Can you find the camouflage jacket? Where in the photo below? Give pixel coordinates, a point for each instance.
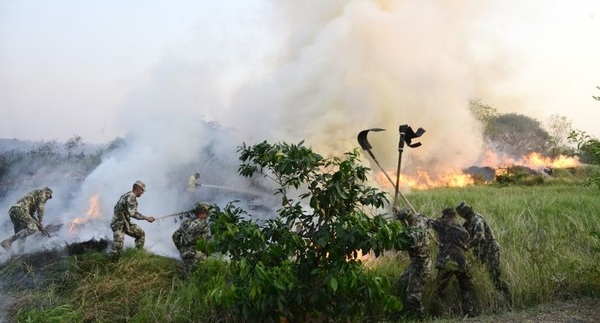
(34, 202)
(419, 241)
(453, 244)
(125, 209)
(482, 238)
(190, 231)
(191, 184)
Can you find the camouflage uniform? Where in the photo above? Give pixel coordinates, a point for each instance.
(415, 275)
(484, 244)
(451, 259)
(125, 209)
(186, 237)
(23, 219)
(191, 184)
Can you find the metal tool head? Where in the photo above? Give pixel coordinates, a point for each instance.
(362, 138)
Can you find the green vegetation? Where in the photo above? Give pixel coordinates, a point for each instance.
(549, 236)
(517, 135)
(302, 265)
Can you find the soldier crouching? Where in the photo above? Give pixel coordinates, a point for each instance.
(191, 230)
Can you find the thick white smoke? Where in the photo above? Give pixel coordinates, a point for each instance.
(319, 71)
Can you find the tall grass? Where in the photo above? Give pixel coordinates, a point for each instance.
(549, 253)
(548, 249)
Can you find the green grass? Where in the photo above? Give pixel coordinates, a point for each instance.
(549, 253)
(548, 249)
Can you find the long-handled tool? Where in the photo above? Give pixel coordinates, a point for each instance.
(364, 144)
(174, 214)
(406, 136)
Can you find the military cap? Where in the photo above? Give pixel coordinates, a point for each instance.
(201, 207)
(140, 184)
(48, 191)
(403, 214)
(448, 212)
(464, 208)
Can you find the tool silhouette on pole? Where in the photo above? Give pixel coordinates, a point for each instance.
(406, 136)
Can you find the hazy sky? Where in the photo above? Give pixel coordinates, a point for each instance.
(292, 71)
(152, 71)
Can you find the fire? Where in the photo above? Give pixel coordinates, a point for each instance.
(457, 178)
(423, 180)
(536, 160)
(93, 212)
(533, 160)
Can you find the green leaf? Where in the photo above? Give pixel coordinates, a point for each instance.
(333, 283)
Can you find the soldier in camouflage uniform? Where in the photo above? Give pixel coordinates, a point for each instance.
(22, 215)
(191, 230)
(451, 260)
(415, 275)
(125, 209)
(484, 244)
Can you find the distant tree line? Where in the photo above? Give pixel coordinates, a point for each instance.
(70, 160)
(518, 135)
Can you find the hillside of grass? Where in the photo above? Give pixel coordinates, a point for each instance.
(550, 250)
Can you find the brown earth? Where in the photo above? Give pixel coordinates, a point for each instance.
(578, 310)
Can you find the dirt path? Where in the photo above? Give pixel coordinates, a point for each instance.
(580, 310)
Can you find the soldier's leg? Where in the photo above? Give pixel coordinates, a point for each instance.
(136, 232)
(7, 243)
(24, 226)
(465, 283)
(414, 293)
(30, 228)
(403, 282)
(188, 255)
(495, 272)
(118, 238)
(441, 282)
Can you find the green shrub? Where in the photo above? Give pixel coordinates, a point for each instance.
(302, 264)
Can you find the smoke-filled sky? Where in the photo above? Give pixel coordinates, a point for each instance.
(153, 71)
(304, 69)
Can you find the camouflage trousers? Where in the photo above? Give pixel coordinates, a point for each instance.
(492, 260)
(130, 229)
(465, 284)
(190, 256)
(412, 282)
(24, 225)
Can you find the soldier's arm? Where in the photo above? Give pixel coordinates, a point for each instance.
(40, 213)
(436, 224)
(478, 233)
(132, 209)
(202, 230)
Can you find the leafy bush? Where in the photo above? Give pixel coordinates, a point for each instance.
(589, 151)
(302, 265)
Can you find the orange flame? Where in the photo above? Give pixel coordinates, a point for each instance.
(536, 160)
(424, 181)
(533, 160)
(93, 212)
(456, 178)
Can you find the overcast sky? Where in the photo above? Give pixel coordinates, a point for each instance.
(302, 70)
